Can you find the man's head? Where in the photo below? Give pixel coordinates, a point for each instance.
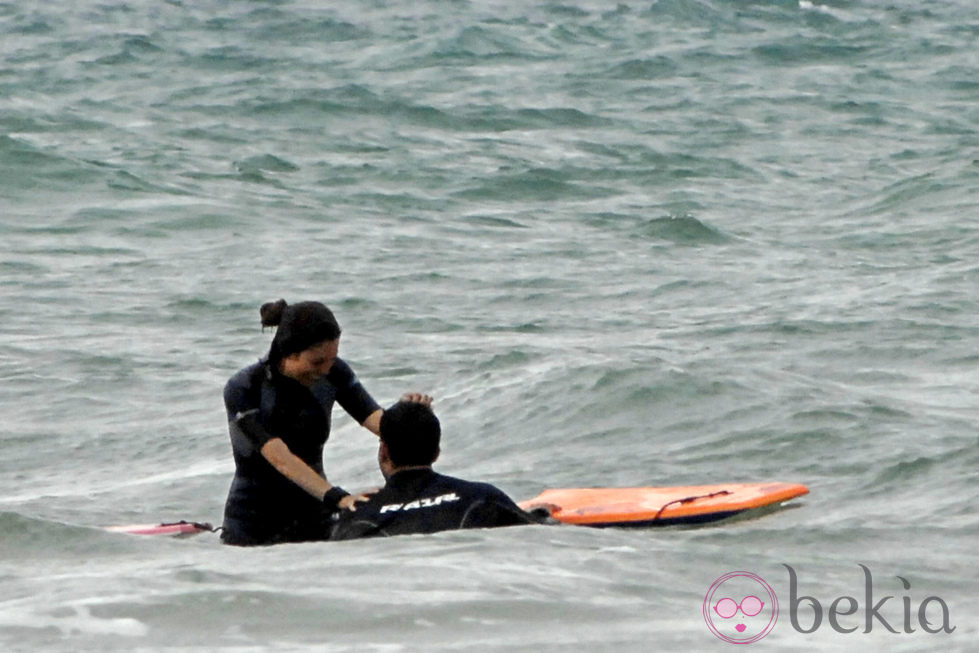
(410, 435)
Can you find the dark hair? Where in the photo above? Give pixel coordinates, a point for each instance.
(412, 433)
(298, 326)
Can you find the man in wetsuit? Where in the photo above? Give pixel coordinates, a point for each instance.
(415, 498)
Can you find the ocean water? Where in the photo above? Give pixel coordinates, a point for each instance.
(647, 243)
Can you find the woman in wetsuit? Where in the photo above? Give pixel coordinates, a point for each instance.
(279, 419)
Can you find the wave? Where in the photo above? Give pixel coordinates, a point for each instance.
(539, 184)
(490, 42)
(683, 230)
(650, 68)
(27, 537)
(24, 167)
(134, 48)
(265, 163)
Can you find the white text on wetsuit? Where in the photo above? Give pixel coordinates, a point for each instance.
(420, 503)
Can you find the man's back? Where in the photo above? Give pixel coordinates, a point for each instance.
(423, 501)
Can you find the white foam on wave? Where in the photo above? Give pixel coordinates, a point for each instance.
(809, 5)
(83, 622)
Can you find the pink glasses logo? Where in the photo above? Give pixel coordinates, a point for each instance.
(740, 607)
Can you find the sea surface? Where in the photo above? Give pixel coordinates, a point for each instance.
(669, 242)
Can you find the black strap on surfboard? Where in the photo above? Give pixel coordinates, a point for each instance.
(659, 513)
(201, 526)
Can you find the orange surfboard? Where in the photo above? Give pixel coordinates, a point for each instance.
(659, 506)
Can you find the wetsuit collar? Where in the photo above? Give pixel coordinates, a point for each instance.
(409, 474)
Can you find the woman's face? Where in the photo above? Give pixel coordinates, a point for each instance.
(310, 365)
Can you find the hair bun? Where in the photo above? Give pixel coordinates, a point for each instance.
(271, 313)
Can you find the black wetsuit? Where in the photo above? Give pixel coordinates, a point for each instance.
(422, 501)
(263, 506)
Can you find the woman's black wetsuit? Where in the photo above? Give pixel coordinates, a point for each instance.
(263, 506)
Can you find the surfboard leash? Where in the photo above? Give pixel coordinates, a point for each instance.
(202, 526)
(659, 513)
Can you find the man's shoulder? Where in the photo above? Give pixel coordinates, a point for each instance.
(472, 488)
(486, 505)
(431, 486)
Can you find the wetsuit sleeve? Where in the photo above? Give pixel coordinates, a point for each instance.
(495, 509)
(351, 527)
(241, 400)
(239, 396)
(247, 426)
(351, 395)
(490, 514)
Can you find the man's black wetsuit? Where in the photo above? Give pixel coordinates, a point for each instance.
(263, 506)
(422, 501)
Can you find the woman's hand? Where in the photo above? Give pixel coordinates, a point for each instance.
(373, 421)
(417, 398)
(350, 501)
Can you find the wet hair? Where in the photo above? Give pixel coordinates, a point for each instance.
(297, 327)
(412, 433)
